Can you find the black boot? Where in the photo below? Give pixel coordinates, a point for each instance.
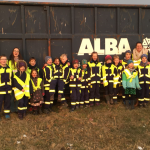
(127, 104)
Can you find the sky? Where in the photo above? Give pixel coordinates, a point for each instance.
(137, 2)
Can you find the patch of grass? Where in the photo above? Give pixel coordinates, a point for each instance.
(97, 128)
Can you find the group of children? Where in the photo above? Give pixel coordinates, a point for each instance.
(30, 85)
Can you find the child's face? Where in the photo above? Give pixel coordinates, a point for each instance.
(3, 60)
(131, 65)
(56, 62)
(139, 47)
(22, 68)
(84, 66)
(108, 61)
(128, 56)
(144, 59)
(94, 57)
(75, 66)
(16, 52)
(34, 74)
(49, 62)
(32, 62)
(64, 59)
(116, 61)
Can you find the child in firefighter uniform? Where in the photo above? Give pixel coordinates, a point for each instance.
(118, 68)
(85, 85)
(36, 99)
(5, 86)
(94, 69)
(124, 64)
(130, 82)
(32, 65)
(57, 80)
(108, 75)
(144, 81)
(75, 84)
(22, 88)
(47, 75)
(65, 65)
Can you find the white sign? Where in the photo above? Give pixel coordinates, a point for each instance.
(110, 46)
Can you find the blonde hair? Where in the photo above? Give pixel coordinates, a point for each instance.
(116, 56)
(63, 55)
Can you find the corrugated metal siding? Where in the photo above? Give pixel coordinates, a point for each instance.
(50, 29)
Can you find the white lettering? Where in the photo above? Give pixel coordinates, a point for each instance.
(110, 46)
(97, 46)
(85, 47)
(123, 45)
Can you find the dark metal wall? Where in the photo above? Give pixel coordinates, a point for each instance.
(50, 29)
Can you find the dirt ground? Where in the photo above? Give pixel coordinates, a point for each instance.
(97, 128)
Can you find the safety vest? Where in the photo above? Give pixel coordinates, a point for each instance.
(129, 75)
(3, 83)
(18, 93)
(92, 65)
(83, 80)
(75, 73)
(56, 71)
(117, 76)
(141, 74)
(63, 71)
(8, 70)
(13, 67)
(39, 80)
(105, 82)
(47, 80)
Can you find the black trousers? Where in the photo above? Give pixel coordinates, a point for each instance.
(22, 105)
(94, 93)
(116, 92)
(143, 96)
(60, 86)
(47, 102)
(7, 100)
(109, 89)
(75, 96)
(84, 96)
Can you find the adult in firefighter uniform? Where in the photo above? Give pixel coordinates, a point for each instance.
(5, 85)
(94, 69)
(144, 81)
(75, 84)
